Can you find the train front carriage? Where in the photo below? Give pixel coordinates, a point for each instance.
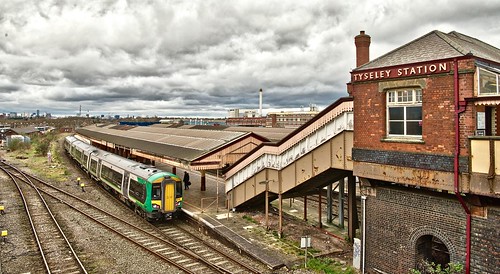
(166, 195)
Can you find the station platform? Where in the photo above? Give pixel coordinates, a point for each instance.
(208, 208)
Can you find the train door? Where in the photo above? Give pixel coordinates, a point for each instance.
(168, 197)
(93, 165)
(99, 167)
(86, 160)
(126, 184)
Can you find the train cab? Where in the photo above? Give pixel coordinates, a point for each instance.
(166, 195)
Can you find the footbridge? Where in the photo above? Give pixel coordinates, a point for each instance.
(310, 158)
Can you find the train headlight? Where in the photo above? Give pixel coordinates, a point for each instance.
(155, 206)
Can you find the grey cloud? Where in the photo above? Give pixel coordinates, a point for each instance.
(204, 57)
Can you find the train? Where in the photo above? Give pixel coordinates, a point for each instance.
(153, 194)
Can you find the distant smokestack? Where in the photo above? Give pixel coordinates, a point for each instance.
(260, 102)
(362, 42)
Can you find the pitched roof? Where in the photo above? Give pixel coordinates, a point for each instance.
(435, 45)
(25, 130)
(186, 144)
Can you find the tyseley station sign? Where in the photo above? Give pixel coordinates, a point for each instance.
(401, 71)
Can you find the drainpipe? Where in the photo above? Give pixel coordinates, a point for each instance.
(459, 108)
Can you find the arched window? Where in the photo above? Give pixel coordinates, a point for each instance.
(431, 249)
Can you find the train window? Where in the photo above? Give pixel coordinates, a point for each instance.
(111, 176)
(117, 178)
(156, 194)
(78, 155)
(93, 165)
(137, 191)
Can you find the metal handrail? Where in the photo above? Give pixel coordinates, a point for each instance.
(206, 198)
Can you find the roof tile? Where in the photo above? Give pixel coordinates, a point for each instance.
(435, 45)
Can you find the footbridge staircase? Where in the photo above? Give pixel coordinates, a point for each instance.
(308, 159)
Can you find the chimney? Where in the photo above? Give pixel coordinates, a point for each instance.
(362, 42)
(260, 102)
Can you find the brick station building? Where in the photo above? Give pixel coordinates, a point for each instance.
(427, 153)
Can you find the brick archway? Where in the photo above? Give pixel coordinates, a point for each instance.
(430, 231)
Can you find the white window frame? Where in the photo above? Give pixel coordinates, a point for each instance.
(479, 84)
(403, 98)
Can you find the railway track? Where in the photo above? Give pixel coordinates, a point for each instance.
(148, 237)
(57, 253)
(313, 200)
(209, 252)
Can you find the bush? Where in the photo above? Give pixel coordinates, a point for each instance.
(426, 267)
(43, 142)
(17, 144)
(42, 147)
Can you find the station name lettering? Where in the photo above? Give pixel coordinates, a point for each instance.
(401, 72)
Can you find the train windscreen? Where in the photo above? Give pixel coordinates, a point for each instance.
(156, 193)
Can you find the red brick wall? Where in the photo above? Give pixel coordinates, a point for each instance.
(438, 115)
(396, 218)
(369, 115)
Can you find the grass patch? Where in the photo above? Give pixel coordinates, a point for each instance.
(250, 219)
(328, 266)
(31, 157)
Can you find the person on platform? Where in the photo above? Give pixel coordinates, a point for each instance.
(186, 180)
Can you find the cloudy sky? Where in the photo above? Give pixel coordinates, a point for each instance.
(204, 57)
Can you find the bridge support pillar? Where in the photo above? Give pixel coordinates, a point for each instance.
(280, 205)
(329, 204)
(320, 207)
(203, 181)
(305, 208)
(341, 202)
(353, 210)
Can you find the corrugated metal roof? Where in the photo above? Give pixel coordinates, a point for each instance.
(186, 144)
(271, 133)
(25, 130)
(196, 133)
(434, 46)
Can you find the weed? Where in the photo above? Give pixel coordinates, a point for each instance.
(250, 219)
(328, 266)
